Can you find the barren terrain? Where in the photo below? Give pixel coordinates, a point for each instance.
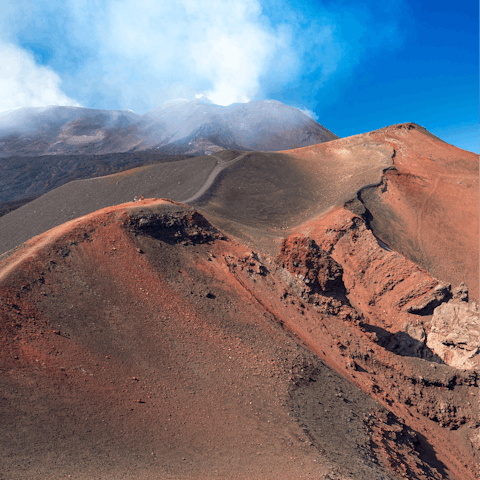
(291, 321)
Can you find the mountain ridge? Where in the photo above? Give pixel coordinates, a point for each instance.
(191, 128)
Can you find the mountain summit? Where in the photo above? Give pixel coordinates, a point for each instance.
(196, 127)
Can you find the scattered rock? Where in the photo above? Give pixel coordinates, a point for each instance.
(475, 440)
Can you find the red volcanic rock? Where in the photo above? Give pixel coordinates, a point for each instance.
(385, 286)
(301, 256)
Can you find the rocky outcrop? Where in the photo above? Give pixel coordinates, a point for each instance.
(408, 342)
(302, 257)
(455, 334)
(311, 275)
(461, 292)
(180, 225)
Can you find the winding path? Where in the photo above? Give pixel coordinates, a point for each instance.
(221, 165)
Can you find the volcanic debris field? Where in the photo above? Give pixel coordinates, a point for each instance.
(305, 314)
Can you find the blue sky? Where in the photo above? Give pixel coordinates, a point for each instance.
(353, 66)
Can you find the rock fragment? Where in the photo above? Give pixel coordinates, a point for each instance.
(461, 293)
(302, 257)
(441, 293)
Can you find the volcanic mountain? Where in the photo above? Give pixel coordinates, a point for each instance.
(48, 147)
(298, 314)
(180, 127)
(64, 130)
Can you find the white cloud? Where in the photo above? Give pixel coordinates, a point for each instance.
(23, 83)
(218, 47)
(228, 50)
(137, 54)
(309, 113)
(234, 56)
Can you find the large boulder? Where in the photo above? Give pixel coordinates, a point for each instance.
(455, 334)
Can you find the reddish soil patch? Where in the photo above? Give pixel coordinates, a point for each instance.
(126, 356)
(427, 207)
(140, 341)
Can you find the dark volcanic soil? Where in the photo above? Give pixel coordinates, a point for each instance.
(25, 177)
(175, 180)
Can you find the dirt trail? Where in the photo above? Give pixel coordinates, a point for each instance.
(221, 165)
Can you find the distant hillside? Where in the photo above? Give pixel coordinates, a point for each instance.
(22, 179)
(200, 127)
(193, 128)
(64, 131)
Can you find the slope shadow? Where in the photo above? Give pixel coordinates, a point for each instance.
(403, 344)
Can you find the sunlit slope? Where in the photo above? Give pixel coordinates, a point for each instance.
(279, 190)
(427, 206)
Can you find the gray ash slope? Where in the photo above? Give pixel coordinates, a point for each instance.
(257, 190)
(175, 180)
(25, 178)
(44, 148)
